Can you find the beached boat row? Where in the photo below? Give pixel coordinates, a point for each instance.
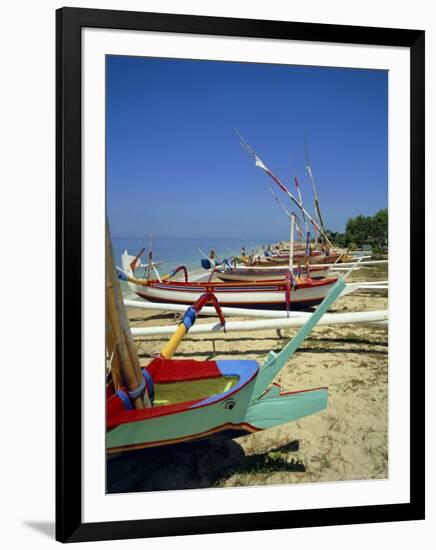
(279, 294)
(170, 400)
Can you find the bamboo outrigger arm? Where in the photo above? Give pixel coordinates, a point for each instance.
(188, 320)
(377, 318)
(276, 361)
(175, 271)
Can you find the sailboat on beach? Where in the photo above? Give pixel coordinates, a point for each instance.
(252, 295)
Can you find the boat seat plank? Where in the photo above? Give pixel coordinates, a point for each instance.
(181, 370)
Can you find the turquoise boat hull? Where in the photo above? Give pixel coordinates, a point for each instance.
(232, 412)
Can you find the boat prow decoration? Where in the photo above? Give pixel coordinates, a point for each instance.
(270, 411)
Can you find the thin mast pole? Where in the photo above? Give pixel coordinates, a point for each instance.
(150, 255)
(261, 165)
(291, 244)
(298, 228)
(300, 198)
(285, 210)
(315, 192)
(280, 203)
(301, 204)
(290, 275)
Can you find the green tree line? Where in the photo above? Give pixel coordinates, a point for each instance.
(369, 230)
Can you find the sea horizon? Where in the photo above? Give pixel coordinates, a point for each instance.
(171, 252)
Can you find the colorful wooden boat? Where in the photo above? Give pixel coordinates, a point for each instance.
(196, 399)
(247, 273)
(258, 295)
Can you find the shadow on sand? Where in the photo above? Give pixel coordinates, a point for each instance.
(194, 465)
(264, 353)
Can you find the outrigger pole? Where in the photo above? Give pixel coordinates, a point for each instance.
(276, 361)
(261, 165)
(188, 320)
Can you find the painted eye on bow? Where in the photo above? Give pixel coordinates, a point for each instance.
(229, 404)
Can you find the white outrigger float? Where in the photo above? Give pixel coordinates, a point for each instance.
(266, 319)
(376, 318)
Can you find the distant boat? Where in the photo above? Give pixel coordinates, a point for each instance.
(258, 295)
(272, 273)
(316, 257)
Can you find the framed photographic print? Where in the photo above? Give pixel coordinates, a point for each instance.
(239, 343)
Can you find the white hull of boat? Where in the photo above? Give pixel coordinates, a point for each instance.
(262, 297)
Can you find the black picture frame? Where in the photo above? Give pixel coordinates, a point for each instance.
(69, 22)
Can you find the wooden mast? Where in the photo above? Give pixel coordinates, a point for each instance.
(291, 246)
(315, 191)
(262, 166)
(121, 347)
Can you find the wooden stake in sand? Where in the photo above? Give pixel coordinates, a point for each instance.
(125, 362)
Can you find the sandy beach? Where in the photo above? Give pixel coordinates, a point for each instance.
(347, 441)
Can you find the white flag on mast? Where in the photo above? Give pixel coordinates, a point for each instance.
(309, 171)
(260, 164)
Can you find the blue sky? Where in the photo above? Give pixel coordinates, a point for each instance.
(175, 167)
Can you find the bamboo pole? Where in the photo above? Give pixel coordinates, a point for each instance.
(125, 346)
(291, 245)
(268, 324)
(244, 312)
(171, 346)
(115, 362)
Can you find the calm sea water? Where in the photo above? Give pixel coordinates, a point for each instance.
(174, 252)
